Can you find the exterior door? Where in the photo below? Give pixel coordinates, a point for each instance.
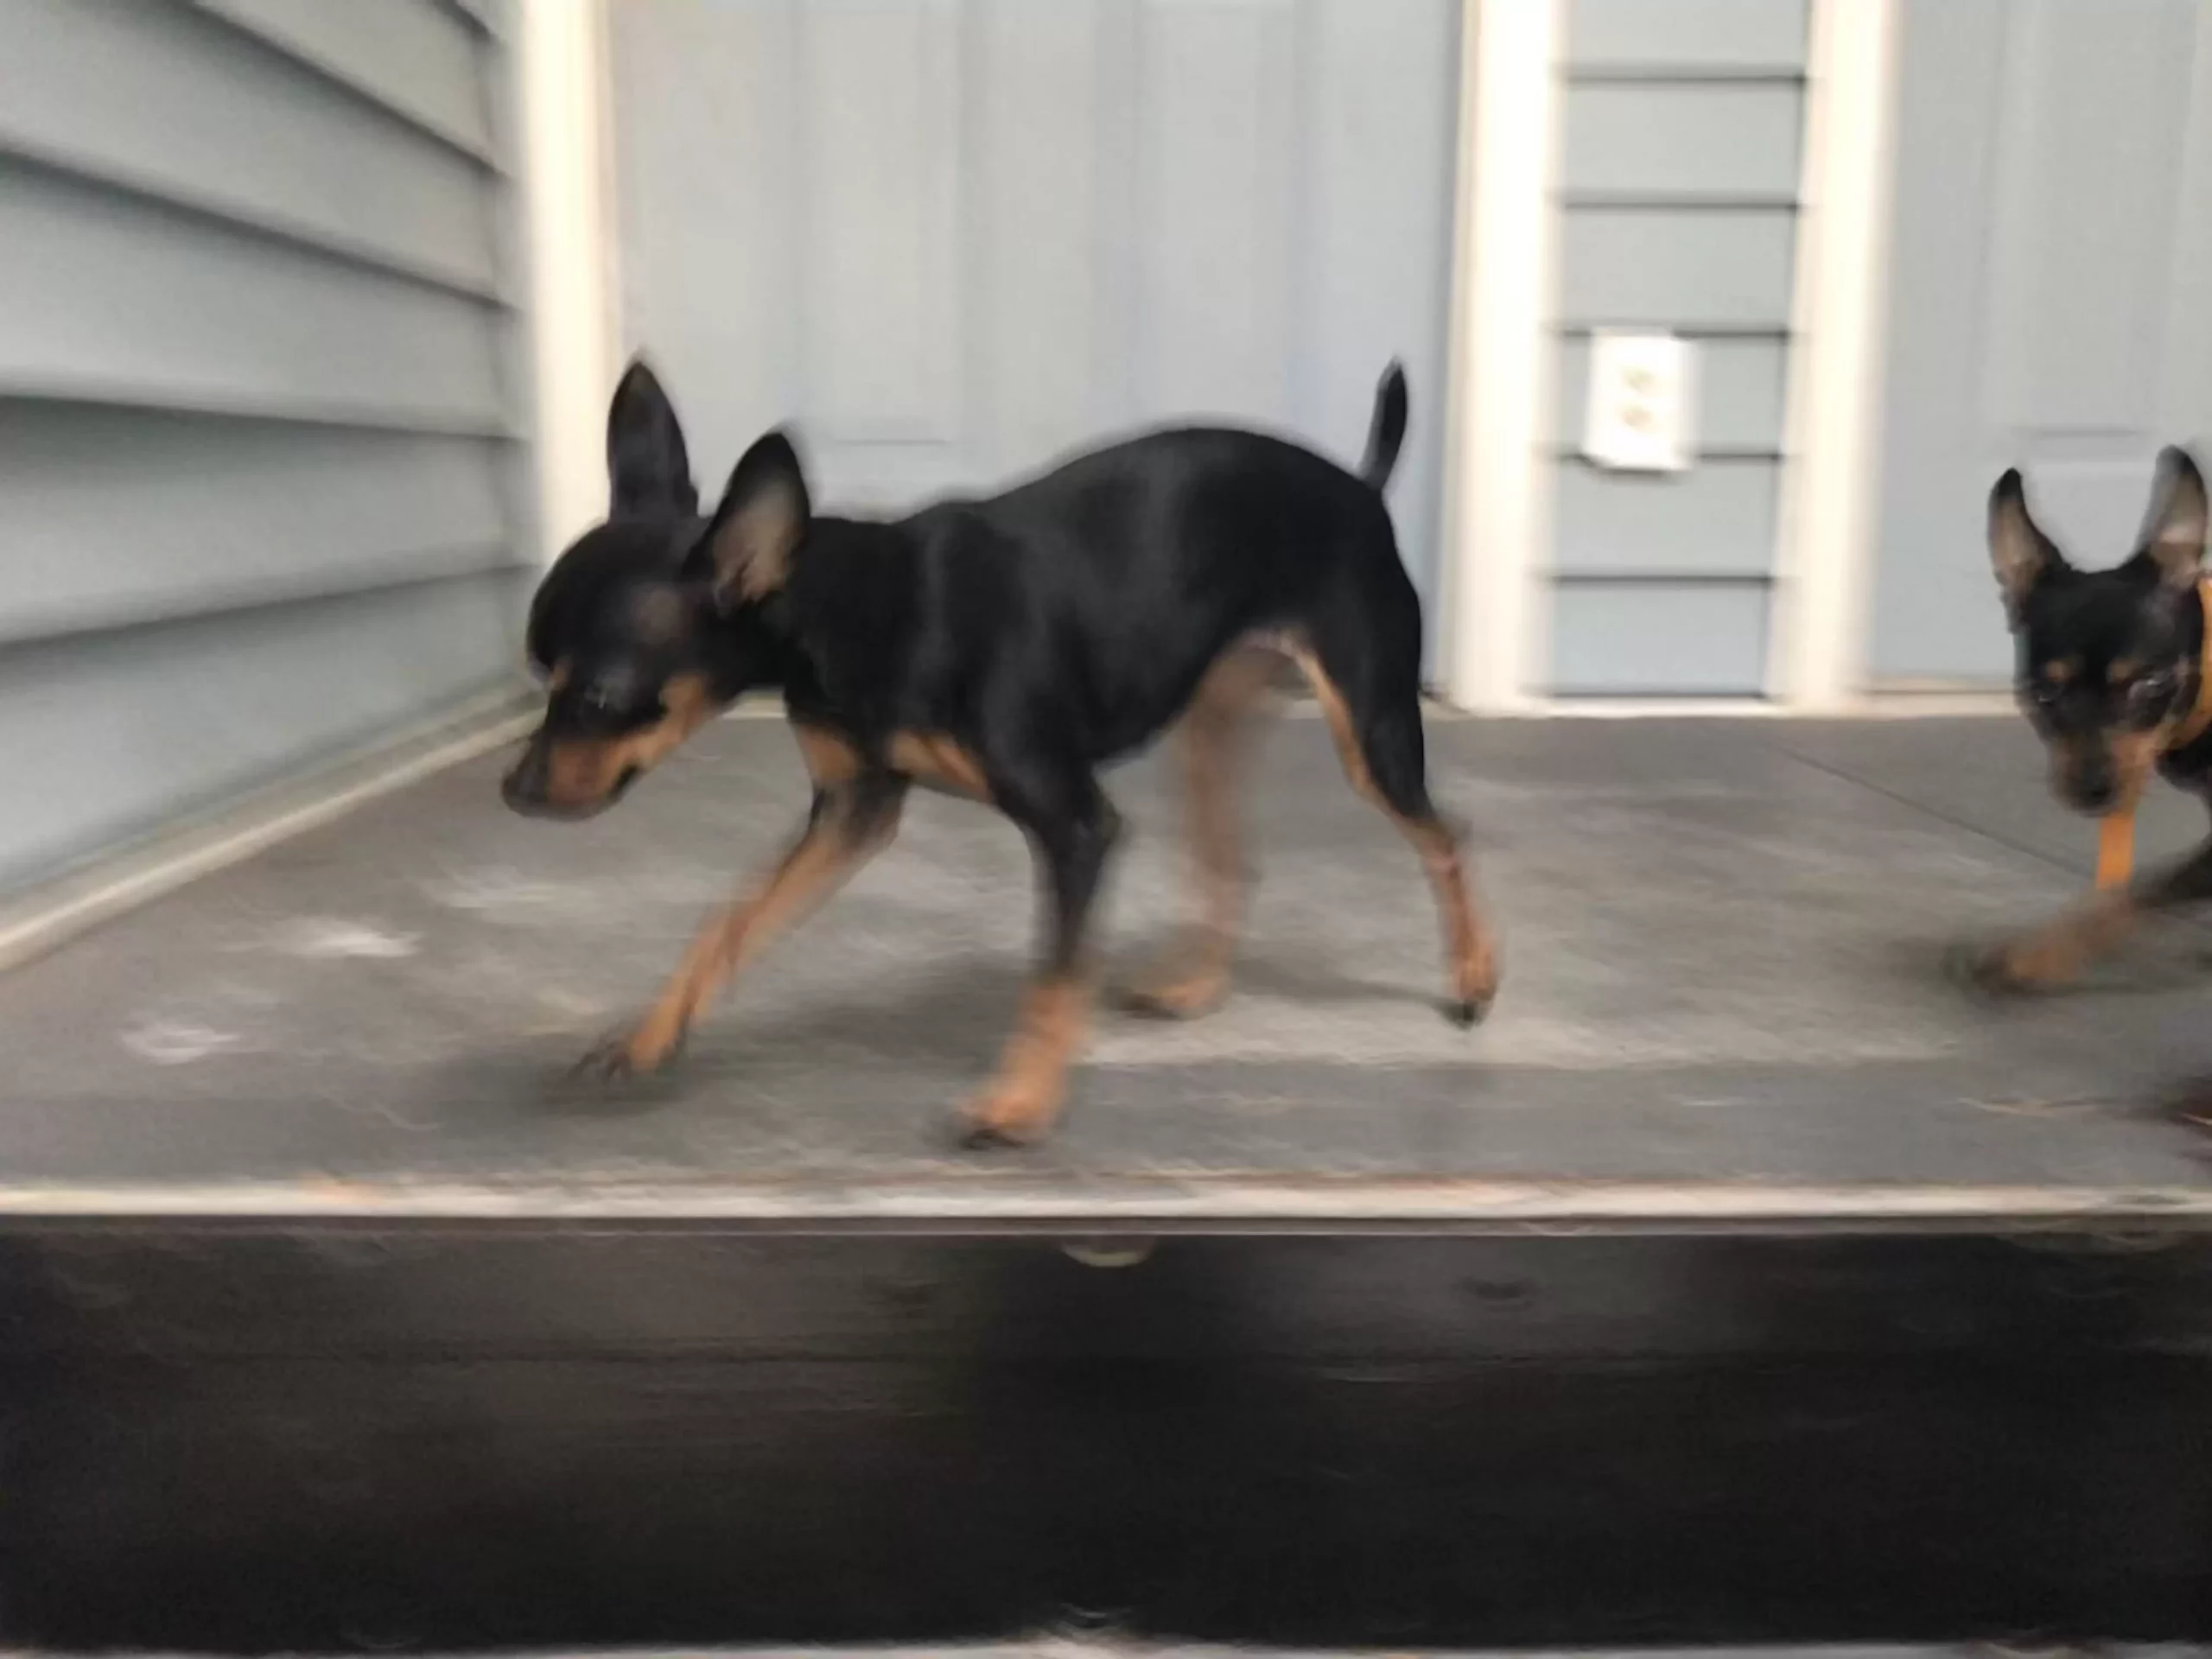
(2051, 296)
(953, 239)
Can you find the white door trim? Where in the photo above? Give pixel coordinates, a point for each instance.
(1831, 486)
(1497, 482)
(570, 208)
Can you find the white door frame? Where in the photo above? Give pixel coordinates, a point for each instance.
(1830, 514)
(1497, 475)
(1500, 478)
(567, 194)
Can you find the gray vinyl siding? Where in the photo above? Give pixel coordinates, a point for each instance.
(1716, 521)
(1672, 638)
(1683, 127)
(260, 478)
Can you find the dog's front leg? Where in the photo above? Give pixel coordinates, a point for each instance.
(1072, 829)
(851, 821)
(2056, 953)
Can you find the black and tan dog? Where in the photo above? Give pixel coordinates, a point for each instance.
(2114, 672)
(1001, 649)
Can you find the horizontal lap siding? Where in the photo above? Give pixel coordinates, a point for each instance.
(115, 733)
(1680, 154)
(1715, 520)
(1629, 638)
(257, 463)
(155, 96)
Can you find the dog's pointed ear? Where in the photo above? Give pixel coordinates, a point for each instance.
(760, 522)
(2173, 534)
(648, 469)
(2019, 552)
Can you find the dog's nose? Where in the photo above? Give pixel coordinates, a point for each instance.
(2096, 791)
(524, 787)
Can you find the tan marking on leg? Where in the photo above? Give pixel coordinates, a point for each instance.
(2116, 848)
(2134, 763)
(830, 757)
(1469, 944)
(1193, 978)
(1339, 715)
(824, 857)
(1471, 948)
(1021, 1101)
(937, 762)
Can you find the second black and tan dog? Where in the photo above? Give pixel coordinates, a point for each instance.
(1002, 649)
(2114, 672)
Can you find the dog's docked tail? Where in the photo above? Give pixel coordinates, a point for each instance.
(1386, 431)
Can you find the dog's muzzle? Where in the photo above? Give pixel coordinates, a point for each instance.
(527, 789)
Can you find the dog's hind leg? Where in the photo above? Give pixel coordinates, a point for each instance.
(1071, 828)
(1193, 976)
(1363, 660)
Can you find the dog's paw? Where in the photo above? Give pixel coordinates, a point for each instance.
(2009, 968)
(1474, 988)
(1975, 967)
(1005, 1116)
(1174, 996)
(631, 1051)
(976, 1134)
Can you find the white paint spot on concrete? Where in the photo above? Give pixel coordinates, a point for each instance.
(240, 994)
(562, 1014)
(508, 898)
(496, 891)
(330, 937)
(170, 1042)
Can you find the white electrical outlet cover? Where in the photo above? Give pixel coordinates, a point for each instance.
(1642, 397)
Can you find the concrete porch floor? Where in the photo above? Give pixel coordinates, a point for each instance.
(1723, 1004)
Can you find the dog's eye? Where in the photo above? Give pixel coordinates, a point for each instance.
(2151, 690)
(617, 700)
(2045, 693)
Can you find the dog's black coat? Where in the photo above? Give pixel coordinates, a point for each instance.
(1015, 643)
(1077, 612)
(2104, 654)
(2110, 672)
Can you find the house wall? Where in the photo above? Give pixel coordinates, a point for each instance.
(1681, 132)
(260, 376)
